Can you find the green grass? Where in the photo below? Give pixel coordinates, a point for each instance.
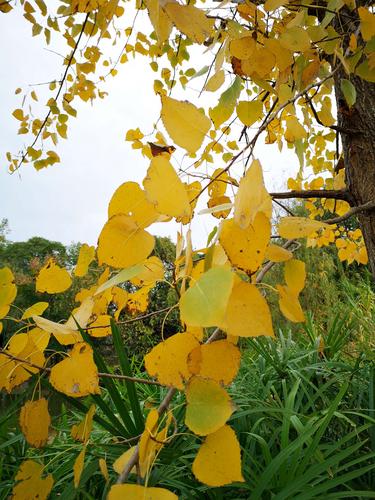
(305, 419)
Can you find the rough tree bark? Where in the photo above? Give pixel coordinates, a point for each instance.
(358, 144)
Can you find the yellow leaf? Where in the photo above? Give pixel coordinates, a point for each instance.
(367, 23)
(190, 20)
(39, 337)
(124, 275)
(294, 130)
(78, 467)
(249, 112)
(208, 406)
(220, 207)
(35, 421)
(339, 180)
(85, 257)
(77, 374)
(219, 182)
(148, 446)
(252, 197)
(246, 248)
(35, 310)
(31, 484)
(151, 441)
(218, 361)
(153, 270)
(284, 58)
(295, 39)
(138, 301)
(5, 8)
(289, 304)
(129, 199)
(8, 290)
(325, 113)
(103, 468)
(192, 190)
(101, 327)
(242, 48)
(295, 275)
(275, 253)
(120, 463)
(218, 461)
(274, 4)
(14, 373)
(119, 300)
(215, 82)
(299, 227)
(81, 314)
(165, 190)
(138, 492)
(310, 72)
(122, 243)
(159, 20)
(18, 114)
(167, 361)
(82, 431)
(248, 314)
(64, 334)
(260, 63)
(205, 302)
(362, 257)
(197, 332)
(185, 123)
(52, 278)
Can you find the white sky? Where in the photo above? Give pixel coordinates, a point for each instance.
(68, 201)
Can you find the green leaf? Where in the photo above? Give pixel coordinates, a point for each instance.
(227, 102)
(112, 389)
(348, 89)
(126, 370)
(205, 302)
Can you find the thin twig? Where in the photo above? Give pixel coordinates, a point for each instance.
(100, 374)
(270, 264)
(137, 380)
(161, 410)
(284, 207)
(335, 194)
(370, 205)
(132, 320)
(62, 81)
(262, 128)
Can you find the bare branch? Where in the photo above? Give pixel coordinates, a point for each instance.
(314, 193)
(133, 320)
(100, 374)
(270, 264)
(163, 407)
(61, 83)
(353, 211)
(270, 117)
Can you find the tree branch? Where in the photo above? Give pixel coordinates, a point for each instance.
(100, 374)
(270, 117)
(62, 81)
(161, 410)
(133, 320)
(314, 193)
(370, 205)
(270, 264)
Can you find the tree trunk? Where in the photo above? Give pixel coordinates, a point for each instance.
(359, 145)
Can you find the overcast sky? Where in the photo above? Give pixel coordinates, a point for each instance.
(68, 201)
